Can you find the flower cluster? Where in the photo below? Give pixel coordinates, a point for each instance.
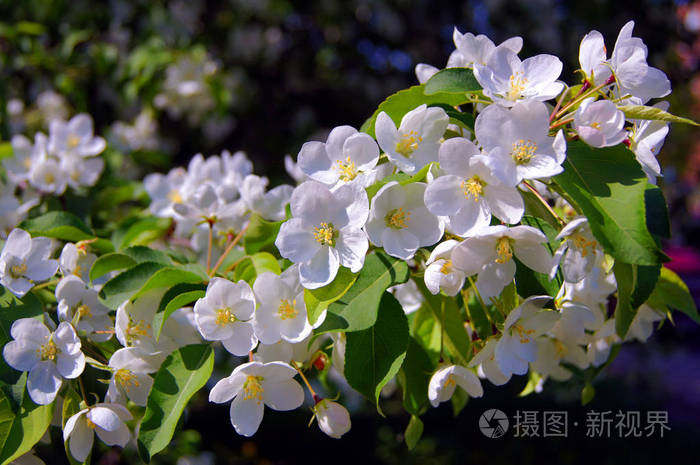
(471, 215)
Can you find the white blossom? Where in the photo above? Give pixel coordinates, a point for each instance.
(130, 376)
(446, 379)
(74, 138)
(333, 418)
(225, 314)
(400, 222)
(25, 261)
(48, 357)
(415, 142)
(324, 231)
(74, 297)
(599, 123)
(440, 275)
(577, 253)
(253, 385)
(105, 420)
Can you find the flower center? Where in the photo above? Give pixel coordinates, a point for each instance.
(560, 348)
(523, 151)
(397, 218)
(523, 333)
(595, 125)
(84, 311)
(504, 250)
(287, 310)
(48, 351)
(581, 243)
(126, 379)
(408, 143)
(17, 271)
(449, 381)
(446, 267)
(347, 169)
(174, 196)
(473, 188)
(91, 424)
(517, 83)
(49, 178)
(139, 329)
(224, 316)
(325, 234)
(252, 389)
(73, 141)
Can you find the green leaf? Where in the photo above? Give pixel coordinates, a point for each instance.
(452, 80)
(426, 332)
(23, 428)
(142, 231)
(59, 225)
(357, 309)
(400, 103)
(587, 394)
(534, 207)
(110, 262)
(318, 300)
(447, 314)
(478, 317)
(178, 296)
(414, 377)
(672, 292)
(402, 178)
(657, 212)
(634, 285)
(183, 373)
(653, 113)
(261, 235)
(251, 267)
(169, 276)
(374, 355)
(413, 432)
(530, 282)
(609, 186)
(457, 117)
(127, 283)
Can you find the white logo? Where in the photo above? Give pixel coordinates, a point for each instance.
(493, 423)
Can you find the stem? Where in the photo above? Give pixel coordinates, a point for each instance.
(544, 202)
(82, 390)
(228, 250)
(561, 99)
(209, 245)
(584, 95)
(46, 284)
(306, 381)
(560, 123)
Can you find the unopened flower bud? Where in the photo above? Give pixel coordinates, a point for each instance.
(320, 361)
(333, 418)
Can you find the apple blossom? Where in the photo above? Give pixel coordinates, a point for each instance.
(440, 275)
(415, 142)
(333, 418)
(48, 357)
(253, 385)
(324, 231)
(400, 222)
(25, 261)
(599, 123)
(446, 379)
(105, 420)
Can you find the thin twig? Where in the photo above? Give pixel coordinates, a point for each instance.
(544, 202)
(228, 250)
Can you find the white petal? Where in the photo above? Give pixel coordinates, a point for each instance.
(246, 415)
(81, 440)
(283, 395)
(43, 382)
(321, 269)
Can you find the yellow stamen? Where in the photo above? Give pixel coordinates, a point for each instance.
(581, 243)
(73, 141)
(138, 329)
(473, 188)
(449, 381)
(90, 423)
(49, 178)
(84, 311)
(325, 234)
(560, 348)
(252, 389)
(287, 310)
(398, 218)
(174, 196)
(126, 379)
(516, 86)
(524, 333)
(408, 143)
(504, 250)
(224, 316)
(446, 267)
(347, 169)
(523, 151)
(595, 125)
(48, 351)
(17, 271)
(77, 270)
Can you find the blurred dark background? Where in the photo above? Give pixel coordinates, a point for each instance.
(271, 74)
